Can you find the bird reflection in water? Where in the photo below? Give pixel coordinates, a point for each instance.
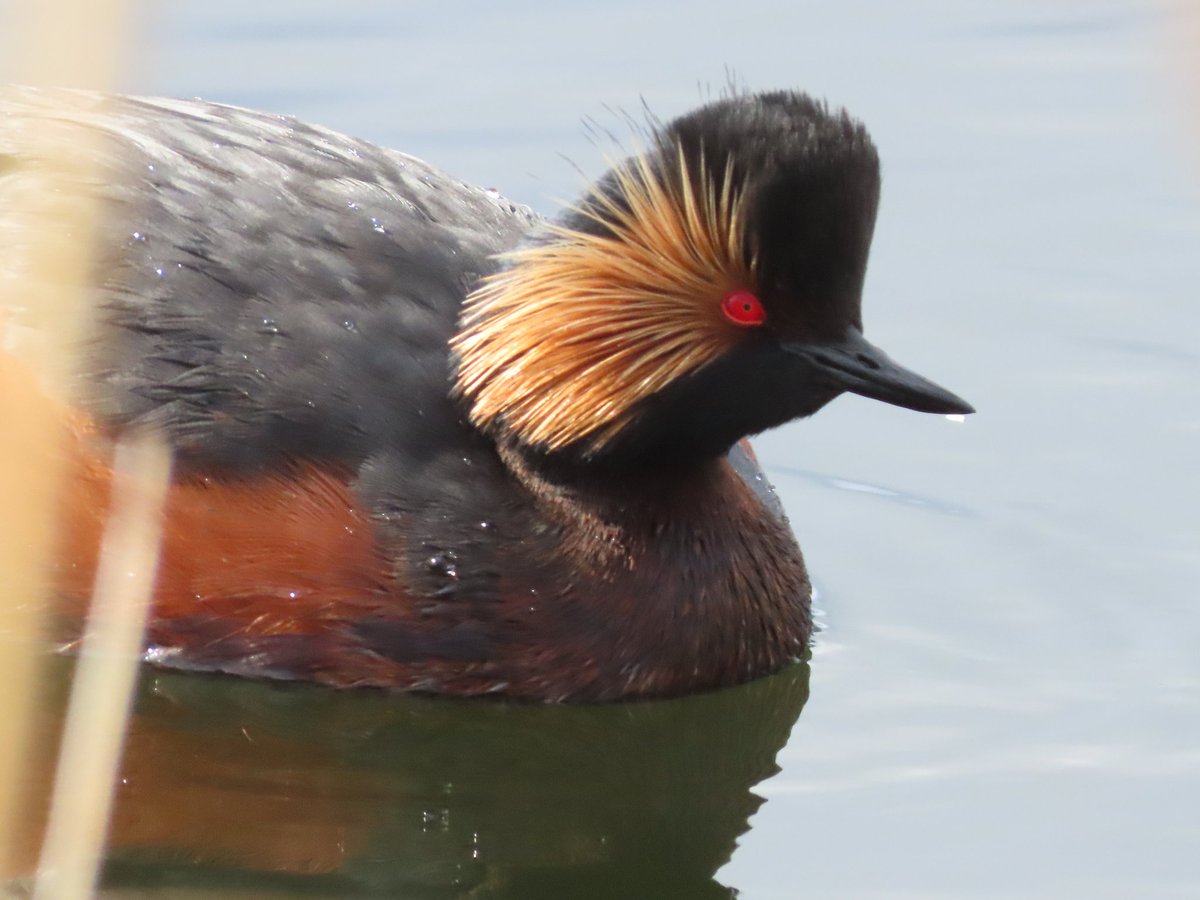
(267, 790)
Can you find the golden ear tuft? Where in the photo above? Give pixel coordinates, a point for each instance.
(565, 342)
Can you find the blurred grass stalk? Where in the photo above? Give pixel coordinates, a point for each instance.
(42, 277)
(90, 756)
(1182, 21)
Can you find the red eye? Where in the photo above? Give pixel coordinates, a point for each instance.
(743, 308)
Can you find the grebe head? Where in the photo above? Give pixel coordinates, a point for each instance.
(707, 289)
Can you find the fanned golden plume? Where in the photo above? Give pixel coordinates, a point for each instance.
(564, 343)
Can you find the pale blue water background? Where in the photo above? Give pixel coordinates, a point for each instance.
(1005, 701)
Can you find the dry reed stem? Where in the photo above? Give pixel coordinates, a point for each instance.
(60, 42)
(1183, 36)
(106, 674)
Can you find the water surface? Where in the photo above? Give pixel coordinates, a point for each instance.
(1005, 699)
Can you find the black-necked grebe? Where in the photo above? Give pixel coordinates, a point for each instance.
(426, 440)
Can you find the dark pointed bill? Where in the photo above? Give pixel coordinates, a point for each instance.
(856, 365)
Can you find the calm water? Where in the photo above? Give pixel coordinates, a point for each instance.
(1005, 701)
